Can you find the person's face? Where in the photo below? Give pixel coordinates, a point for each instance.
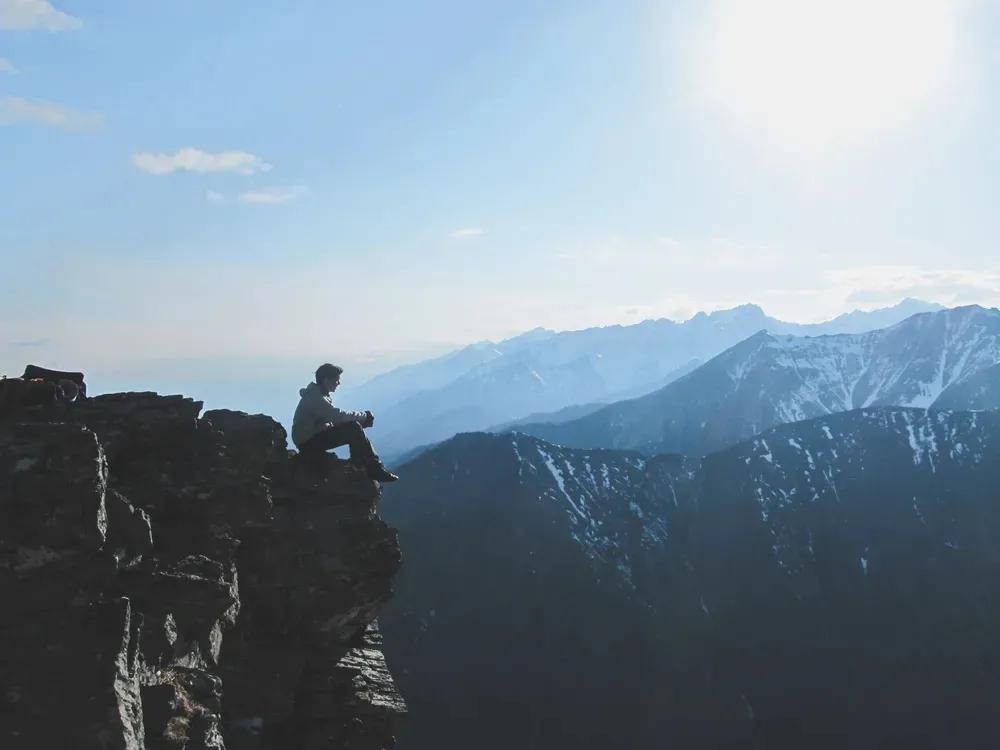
(330, 384)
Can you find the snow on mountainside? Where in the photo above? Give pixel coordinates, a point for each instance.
(616, 504)
(543, 371)
(775, 379)
(595, 490)
(910, 364)
(807, 578)
(609, 500)
(796, 466)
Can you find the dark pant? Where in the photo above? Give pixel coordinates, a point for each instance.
(345, 433)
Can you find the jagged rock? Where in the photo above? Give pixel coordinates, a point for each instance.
(131, 531)
(53, 481)
(251, 438)
(349, 699)
(176, 581)
(69, 676)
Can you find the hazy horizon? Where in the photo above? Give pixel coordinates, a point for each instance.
(270, 385)
(360, 369)
(248, 182)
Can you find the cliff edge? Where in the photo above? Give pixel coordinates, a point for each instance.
(172, 579)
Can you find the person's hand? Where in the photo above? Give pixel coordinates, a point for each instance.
(369, 419)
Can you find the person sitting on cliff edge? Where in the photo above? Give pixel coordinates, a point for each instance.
(319, 426)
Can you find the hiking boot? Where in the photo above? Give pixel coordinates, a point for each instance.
(381, 474)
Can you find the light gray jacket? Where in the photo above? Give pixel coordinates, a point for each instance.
(316, 412)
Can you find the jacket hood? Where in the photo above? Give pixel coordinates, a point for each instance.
(309, 388)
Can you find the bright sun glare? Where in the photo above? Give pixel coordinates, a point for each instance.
(808, 75)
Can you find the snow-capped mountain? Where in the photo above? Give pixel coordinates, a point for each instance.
(487, 384)
(942, 359)
(860, 321)
(829, 583)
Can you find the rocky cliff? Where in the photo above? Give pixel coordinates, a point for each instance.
(172, 579)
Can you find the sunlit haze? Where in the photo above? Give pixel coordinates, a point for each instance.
(811, 75)
(244, 182)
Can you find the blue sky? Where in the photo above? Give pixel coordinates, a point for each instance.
(368, 182)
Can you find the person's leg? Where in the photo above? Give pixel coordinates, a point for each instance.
(353, 435)
(346, 433)
(317, 444)
(361, 447)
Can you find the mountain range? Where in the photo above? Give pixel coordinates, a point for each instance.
(943, 359)
(830, 583)
(488, 384)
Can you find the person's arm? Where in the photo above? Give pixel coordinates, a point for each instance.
(339, 416)
(329, 414)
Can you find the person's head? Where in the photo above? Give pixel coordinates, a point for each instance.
(328, 377)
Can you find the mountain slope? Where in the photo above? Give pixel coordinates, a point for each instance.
(542, 371)
(860, 321)
(519, 624)
(831, 583)
(980, 391)
(566, 414)
(931, 359)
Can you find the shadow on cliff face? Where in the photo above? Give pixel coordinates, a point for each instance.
(173, 580)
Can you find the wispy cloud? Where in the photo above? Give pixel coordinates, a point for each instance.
(272, 195)
(879, 285)
(467, 232)
(214, 196)
(196, 160)
(35, 14)
(6, 66)
(14, 110)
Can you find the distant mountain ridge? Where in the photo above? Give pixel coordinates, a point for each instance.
(830, 583)
(948, 358)
(488, 383)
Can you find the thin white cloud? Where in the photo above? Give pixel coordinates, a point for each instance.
(880, 285)
(272, 195)
(6, 66)
(14, 111)
(467, 232)
(35, 14)
(214, 196)
(196, 160)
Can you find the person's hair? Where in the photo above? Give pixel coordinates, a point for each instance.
(327, 371)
